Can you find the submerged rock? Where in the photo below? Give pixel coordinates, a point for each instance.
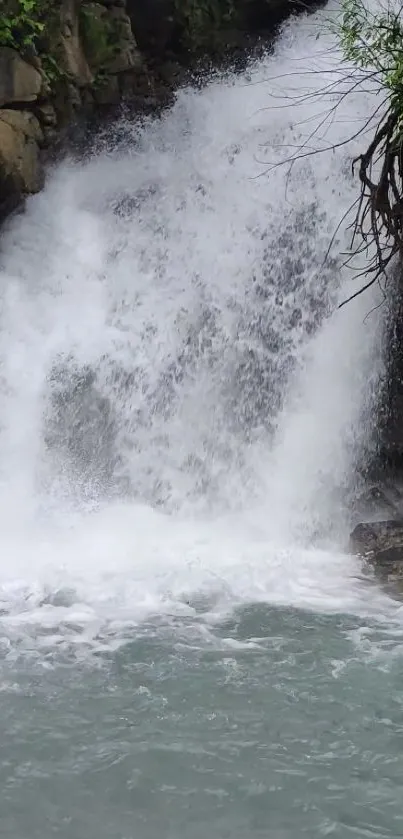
(380, 544)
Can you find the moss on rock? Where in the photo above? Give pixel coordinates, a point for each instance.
(107, 38)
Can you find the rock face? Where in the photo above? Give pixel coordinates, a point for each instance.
(108, 39)
(378, 537)
(20, 170)
(380, 502)
(155, 24)
(68, 47)
(390, 421)
(84, 57)
(188, 27)
(20, 82)
(381, 545)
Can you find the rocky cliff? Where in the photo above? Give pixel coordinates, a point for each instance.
(58, 59)
(61, 60)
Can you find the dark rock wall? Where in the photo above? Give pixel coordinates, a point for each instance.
(390, 418)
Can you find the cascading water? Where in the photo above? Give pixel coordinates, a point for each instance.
(182, 405)
(185, 648)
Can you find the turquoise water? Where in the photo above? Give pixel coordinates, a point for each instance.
(279, 723)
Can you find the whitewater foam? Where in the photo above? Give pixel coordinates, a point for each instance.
(180, 416)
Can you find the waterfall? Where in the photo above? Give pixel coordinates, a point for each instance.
(183, 406)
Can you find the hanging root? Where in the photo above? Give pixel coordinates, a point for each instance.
(379, 218)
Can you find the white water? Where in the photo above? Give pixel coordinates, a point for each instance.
(218, 428)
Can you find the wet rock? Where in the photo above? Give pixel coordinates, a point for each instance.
(389, 425)
(381, 545)
(72, 58)
(20, 168)
(47, 115)
(108, 39)
(154, 23)
(379, 501)
(107, 91)
(19, 81)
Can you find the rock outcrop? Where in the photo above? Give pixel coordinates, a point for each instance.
(20, 170)
(20, 82)
(380, 544)
(84, 56)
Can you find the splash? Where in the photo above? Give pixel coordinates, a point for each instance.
(183, 408)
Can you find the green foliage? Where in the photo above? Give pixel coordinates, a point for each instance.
(201, 20)
(53, 72)
(373, 42)
(21, 28)
(98, 35)
(25, 26)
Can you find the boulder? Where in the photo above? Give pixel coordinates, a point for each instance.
(20, 169)
(381, 545)
(19, 81)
